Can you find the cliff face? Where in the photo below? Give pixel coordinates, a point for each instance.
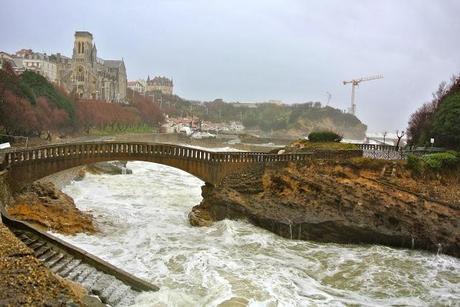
(44, 205)
(340, 202)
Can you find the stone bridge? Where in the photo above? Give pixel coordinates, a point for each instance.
(27, 165)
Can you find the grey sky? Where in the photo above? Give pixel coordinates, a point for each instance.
(244, 50)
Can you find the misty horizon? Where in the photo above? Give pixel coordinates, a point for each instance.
(290, 51)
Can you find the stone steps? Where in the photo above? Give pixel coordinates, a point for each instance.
(108, 288)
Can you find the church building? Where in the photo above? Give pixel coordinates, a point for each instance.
(88, 77)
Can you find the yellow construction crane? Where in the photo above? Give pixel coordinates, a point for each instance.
(354, 83)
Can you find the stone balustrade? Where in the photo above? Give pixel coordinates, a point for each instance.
(67, 151)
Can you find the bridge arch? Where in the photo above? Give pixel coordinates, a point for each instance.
(28, 165)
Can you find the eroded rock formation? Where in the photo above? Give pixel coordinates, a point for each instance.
(110, 168)
(344, 202)
(46, 206)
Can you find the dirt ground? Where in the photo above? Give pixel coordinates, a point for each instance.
(25, 281)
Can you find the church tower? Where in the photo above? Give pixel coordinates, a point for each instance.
(83, 46)
(83, 61)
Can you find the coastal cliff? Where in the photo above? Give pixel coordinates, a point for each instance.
(45, 206)
(347, 201)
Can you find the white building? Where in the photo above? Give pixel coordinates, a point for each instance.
(15, 62)
(137, 86)
(5, 57)
(41, 64)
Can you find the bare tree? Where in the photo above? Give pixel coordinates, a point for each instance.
(400, 136)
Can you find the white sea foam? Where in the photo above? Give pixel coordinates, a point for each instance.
(145, 231)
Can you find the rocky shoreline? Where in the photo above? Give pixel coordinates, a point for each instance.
(337, 201)
(26, 281)
(45, 206)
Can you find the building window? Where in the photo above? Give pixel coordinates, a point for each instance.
(80, 74)
(81, 47)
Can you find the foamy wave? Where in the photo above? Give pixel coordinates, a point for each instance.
(146, 232)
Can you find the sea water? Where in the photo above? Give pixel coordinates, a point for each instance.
(144, 230)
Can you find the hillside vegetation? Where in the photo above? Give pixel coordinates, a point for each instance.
(295, 120)
(438, 119)
(30, 105)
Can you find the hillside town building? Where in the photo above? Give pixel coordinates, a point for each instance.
(25, 59)
(41, 64)
(23, 53)
(160, 84)
(137, 86)
(152, 86)
(4, 58)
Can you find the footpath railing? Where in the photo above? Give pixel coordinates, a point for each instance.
(389, 152)
(76, 150)
(379, 147)
(382, 151)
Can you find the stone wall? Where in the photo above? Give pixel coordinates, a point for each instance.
(337, 154)
(5, 192)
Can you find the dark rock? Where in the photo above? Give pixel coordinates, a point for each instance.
(111, 168)
(92, 301)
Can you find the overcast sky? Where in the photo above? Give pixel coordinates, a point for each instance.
(242, 50)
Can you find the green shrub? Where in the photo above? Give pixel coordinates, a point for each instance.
(440, 161)
(435, 162)
(324, 136)
(414, 163)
